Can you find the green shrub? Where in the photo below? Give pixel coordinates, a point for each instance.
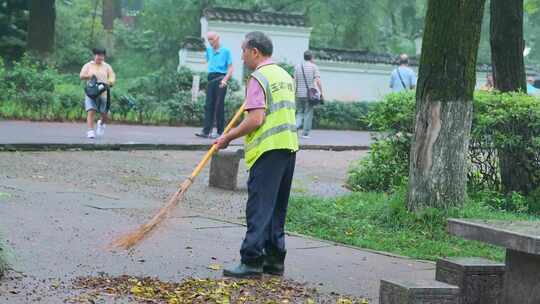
(387, 164)
(3, 84)
(342, 115)
(384, 168)
(501, 122)
(74, 27)
(68, 102)
(31, 86)
(394, 114)
(159, 97)
(508, 124)
(183, 111)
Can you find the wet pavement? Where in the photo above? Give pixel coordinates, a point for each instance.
(36, 135)
(59, 212)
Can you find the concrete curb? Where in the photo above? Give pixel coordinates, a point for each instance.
(43, 147)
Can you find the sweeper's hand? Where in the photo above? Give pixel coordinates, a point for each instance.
(222, 142)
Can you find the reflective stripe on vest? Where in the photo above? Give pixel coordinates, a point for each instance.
(279, 128)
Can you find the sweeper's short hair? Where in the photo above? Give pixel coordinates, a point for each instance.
(261, 42)
(99, 51)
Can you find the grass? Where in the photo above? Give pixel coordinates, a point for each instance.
(379, 221)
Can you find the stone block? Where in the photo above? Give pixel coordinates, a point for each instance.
(417, 292)
(224, 169)
(480, 281)
(522, 278)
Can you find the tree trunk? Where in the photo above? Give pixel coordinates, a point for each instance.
(117, 9)
(507, 45)
(41, 26)
(108, 14)
(509, 75)
(447, 76)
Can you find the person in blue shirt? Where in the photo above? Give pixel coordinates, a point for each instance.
(403, 78)
(220, 70)
(531, 89)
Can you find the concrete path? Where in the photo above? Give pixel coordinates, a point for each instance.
(25, 135)
(60, 210)
(60, 234)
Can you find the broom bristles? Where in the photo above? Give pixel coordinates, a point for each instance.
(131, 239)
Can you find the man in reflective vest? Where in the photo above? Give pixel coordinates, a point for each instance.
(270, 152)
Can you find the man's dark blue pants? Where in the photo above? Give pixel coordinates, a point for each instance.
(214, 109)
(269, 186)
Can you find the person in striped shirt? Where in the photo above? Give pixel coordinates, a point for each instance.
(306, 75)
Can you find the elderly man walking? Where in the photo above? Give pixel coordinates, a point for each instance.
(403, 78)
(220, 70)
(270, 153)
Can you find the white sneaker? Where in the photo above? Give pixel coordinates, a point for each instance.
(91, 134)
(100, 130)
(306, 136)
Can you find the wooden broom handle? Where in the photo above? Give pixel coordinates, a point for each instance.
(214, 149)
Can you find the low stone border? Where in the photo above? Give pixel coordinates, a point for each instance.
(36, 147)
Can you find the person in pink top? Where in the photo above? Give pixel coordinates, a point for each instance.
(271, 173)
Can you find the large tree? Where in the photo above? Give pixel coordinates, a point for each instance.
(111, 10)
(109, 13)
(41, 26)
(507, 45)
(13, 24)
(447, 76)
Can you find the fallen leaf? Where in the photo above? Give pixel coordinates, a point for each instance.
(214, 266)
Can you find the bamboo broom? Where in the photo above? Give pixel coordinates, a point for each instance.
(133, 238)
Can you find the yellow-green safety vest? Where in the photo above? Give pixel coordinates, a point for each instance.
(279, 128)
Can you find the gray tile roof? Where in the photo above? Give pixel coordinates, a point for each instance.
(248, 16)
(358, 56)
(194, 43)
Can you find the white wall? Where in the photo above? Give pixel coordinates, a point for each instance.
(347, 81)
(290, 42)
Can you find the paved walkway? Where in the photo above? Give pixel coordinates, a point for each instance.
(25, 135)
(60, 210)
(66, 233)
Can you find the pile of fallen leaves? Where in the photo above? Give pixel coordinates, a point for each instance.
(218, 291)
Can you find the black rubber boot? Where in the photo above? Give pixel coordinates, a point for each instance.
(244, 271)
(274, 262)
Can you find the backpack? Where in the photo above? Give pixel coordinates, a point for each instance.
(94, 88)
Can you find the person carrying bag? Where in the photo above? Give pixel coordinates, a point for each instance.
(308, 93)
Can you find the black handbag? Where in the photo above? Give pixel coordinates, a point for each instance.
(94, 89)
(313, 95)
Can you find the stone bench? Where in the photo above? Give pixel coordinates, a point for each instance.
(224, 168)
(480, 280)
(522, 242)
(418, 292)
